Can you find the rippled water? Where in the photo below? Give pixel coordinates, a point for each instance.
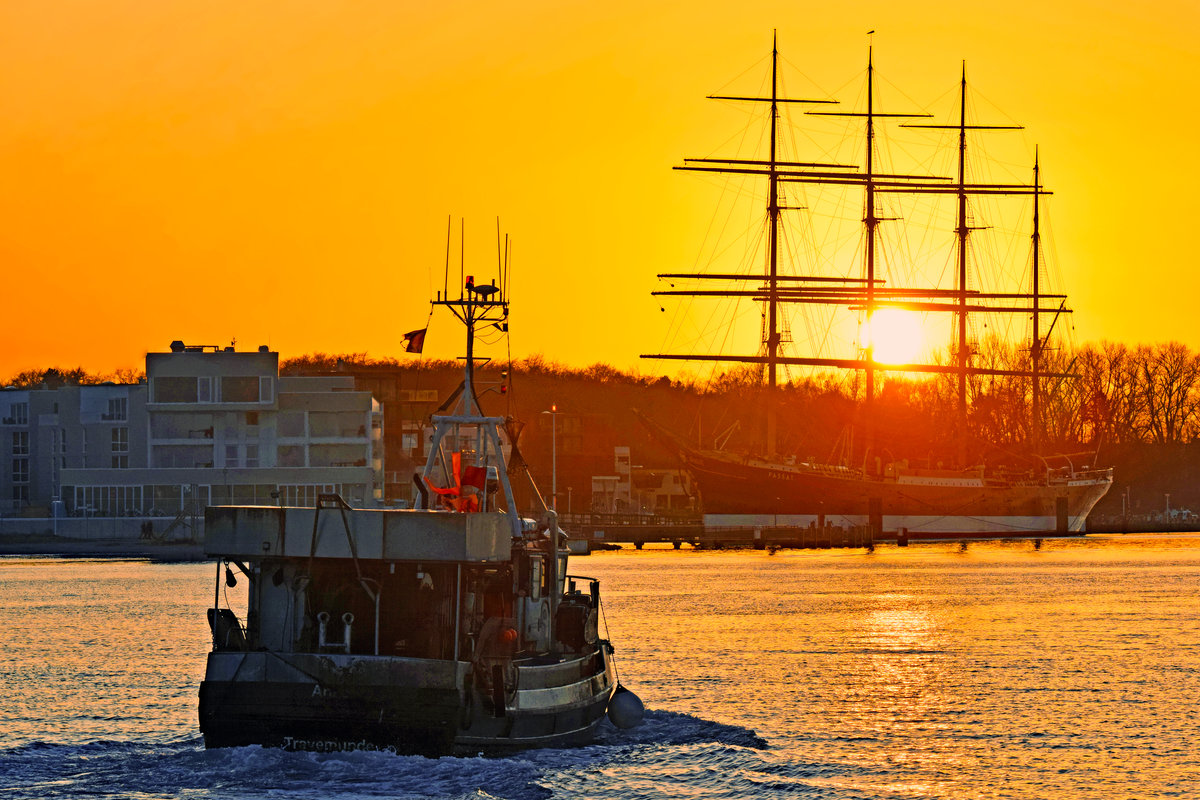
(997, 671)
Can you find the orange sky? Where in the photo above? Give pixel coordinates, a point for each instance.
(281, 172)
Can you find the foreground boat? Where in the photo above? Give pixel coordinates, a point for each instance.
(1054, 495)
(450, 628)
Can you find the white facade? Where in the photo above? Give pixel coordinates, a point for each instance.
(209, 426)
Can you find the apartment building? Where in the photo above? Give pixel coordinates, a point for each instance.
(210, 425)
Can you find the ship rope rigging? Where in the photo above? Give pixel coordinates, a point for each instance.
(889, 259)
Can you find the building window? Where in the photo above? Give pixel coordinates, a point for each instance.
(291, 424)
(118, 409)
(20, 496)
(20, 443)
(239, 389)
(62, 441)
(408, 442)
(204, 390)
(20, 470)
(18, 414)
(251, 455)
(306, 495)
(120, 462)
(231, 455)
(108, 501)
(265, 389)
(120, 440)
(175, 390)
(290, 456)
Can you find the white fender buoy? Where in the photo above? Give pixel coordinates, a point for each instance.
(625, 708)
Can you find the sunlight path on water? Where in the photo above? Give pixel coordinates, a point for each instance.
(999, 671)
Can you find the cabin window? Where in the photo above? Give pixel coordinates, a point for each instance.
(535, 578)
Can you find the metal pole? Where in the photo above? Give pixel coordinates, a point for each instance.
(554, 458)
(457, 609)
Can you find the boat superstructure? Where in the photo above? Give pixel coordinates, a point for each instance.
(453, 627)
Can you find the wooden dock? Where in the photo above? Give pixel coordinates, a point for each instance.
(639, 530)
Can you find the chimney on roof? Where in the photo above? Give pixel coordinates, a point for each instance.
(262, 348)
(178, 346)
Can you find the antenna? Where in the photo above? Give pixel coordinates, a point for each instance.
(507, 262)
(446, 272)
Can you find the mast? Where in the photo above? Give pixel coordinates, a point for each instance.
(775, 171)
(962, 231)
(773, 337)
(871, 222)
(872, 183)
(862, 295)
(1035, 345)
(475, 305)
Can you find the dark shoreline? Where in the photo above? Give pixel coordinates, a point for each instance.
(47, 546)
(59, 547)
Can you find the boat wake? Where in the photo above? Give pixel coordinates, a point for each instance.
(669, 729)
(183, 767)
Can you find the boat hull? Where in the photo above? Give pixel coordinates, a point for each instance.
(331, 703)
(747, 493)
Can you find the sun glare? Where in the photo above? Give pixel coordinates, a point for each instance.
(898, 336)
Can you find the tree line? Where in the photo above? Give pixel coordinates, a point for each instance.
(53, 377)
(1118, 394)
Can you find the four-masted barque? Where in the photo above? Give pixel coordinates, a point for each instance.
(767, 489)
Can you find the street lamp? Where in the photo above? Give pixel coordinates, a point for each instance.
(553, 412)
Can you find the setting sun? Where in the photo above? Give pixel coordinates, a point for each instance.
(898, 336)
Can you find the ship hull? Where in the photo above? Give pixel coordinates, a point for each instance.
(748, 493)
(333, 703)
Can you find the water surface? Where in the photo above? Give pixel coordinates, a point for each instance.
(998, 671)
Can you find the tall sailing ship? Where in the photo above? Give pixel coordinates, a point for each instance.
(767, 489)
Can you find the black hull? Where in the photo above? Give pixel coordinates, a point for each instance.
(306, 702)
(748, 492)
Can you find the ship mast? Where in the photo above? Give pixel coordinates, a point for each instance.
(872, 223)
(962, 232)
(773, 336)
(774, 170)
(868, 294)
(1035, 344)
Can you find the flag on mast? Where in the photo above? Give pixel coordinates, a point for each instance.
(414, 341)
